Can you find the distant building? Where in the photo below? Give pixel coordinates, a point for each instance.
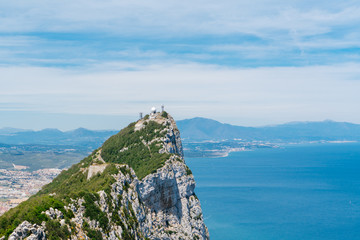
(153, 110)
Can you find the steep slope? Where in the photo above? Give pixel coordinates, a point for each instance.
(136, 186)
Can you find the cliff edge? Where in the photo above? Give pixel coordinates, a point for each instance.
(136, 186)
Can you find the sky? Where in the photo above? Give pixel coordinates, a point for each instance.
(97, 64)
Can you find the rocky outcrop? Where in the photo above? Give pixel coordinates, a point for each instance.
(28, 231)
(171, 206)
(161, 205)
(54, 213)
(172, 141)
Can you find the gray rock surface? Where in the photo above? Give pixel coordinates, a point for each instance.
(171, 207)
(28, 231)
(54, 213)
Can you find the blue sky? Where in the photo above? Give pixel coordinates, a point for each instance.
(96, 64)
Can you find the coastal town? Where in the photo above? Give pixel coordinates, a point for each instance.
(18, 184)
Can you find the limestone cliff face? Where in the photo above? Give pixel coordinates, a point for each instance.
(161, 205)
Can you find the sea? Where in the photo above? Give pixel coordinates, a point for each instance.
(303, 191)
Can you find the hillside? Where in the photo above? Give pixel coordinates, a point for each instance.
(208, 129)
(135, 186)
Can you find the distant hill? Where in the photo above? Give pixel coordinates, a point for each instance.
(80, 136)
(195, 129)
(208, 129)
(9, 130)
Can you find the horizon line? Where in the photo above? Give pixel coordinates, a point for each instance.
(110, 129)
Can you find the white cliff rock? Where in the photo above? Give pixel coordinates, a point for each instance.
(29, 231)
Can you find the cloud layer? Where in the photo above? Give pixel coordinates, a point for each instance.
(252, 63)
(240, 96)
(238, 33)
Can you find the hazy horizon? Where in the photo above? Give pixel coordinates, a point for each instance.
(123, 124)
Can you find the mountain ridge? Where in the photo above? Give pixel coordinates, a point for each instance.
(197, 128)
(52, 136)
(208, 129)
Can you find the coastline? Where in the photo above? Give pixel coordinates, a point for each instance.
(224, 151)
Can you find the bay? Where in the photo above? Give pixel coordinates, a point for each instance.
(293, 192)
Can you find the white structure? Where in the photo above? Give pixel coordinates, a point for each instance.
(153, 110)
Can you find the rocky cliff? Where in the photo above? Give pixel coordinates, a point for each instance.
(136, 186)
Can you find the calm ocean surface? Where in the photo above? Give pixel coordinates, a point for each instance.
(295, 192)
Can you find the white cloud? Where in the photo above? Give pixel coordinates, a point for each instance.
(242, 96)
(140, 76)
(280, 28)
(178, 17)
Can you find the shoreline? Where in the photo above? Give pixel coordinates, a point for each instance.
(221, 153)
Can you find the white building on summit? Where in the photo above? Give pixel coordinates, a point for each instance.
(153, 110)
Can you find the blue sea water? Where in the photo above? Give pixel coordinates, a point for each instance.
(294, 192)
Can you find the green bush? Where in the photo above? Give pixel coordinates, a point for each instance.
(144, 160)
(54, 230)
(164, 114)
(188, 171)
(71, 185)
(31, 211)
(93, 212)
(91, 233)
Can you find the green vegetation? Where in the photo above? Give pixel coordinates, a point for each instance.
(143, 159)
(164, 114)
(93, 212)
(55, 231)
(188, 171)
(92, 234)
(73, 184)
(124, 170)
(69, 184)
(31, 211)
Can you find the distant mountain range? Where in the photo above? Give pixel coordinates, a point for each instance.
(208, 129)
(80, 136)
(195, 129)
